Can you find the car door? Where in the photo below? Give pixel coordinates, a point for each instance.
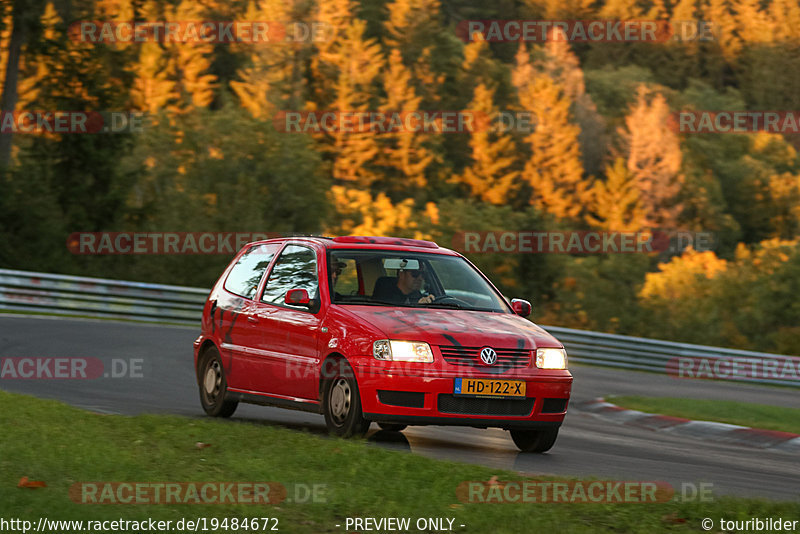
(286, 336)
(234, 308)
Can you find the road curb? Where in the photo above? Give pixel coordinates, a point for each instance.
(706, 430)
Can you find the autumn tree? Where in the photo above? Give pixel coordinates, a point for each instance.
(60, 73)
(154, 87)
(359, 63)
(173, 75)
(404, 153)
(615, 202)
(654, 157)
(681, 293)
(24, 17)
(721, 52)
(559, 62)
(682, 53)
(493, 171)
(785, 197)
(559, 9)
(361, 213)
(479, 67)
(768, 63)
(274, 75)
(5, 38)
(336, 17)
(413, 28)
(554, 171)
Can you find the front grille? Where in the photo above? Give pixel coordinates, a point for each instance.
(554, 405)
(471, 356)
(476, 406)
(407, 399)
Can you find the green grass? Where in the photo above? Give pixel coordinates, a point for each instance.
(735, 413)
(60, 445)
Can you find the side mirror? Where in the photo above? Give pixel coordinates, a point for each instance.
(297, 297)
(521, 307)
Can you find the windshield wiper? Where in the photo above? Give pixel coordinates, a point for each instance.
(363, 299)
(454, 305)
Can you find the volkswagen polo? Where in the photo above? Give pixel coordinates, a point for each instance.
(377, 329)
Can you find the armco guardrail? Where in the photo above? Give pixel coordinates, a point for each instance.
(628, 352)
(98, 297)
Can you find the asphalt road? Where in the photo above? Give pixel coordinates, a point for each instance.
(162, 382)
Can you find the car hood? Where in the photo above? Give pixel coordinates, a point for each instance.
(455, 327)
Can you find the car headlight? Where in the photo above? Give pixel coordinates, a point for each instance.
(551, 358)
(402, 351)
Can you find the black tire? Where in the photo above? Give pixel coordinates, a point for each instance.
(392, 427)
(341, 404)
(535, 440)
(214, 386)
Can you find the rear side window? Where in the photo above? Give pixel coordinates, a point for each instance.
(246, 274)
(295, 269)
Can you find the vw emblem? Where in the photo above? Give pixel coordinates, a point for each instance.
(488, 355)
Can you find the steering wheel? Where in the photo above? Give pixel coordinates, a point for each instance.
(458, 301)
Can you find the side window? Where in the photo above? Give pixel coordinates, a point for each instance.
(296, 268)
(246, 274)
(344, 276)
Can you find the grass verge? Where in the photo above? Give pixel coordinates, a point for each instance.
(735, 413)
(60, 445)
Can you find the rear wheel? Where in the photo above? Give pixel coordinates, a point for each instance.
(213, 386)
(392, 427)
(342, 404)
(535, 440)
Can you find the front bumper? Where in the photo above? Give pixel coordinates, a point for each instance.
(425, 396)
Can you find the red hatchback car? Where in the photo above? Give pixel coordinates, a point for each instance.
(377, 329)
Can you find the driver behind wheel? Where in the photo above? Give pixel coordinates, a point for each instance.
(407, 289)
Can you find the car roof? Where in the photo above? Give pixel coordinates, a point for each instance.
(368, 243)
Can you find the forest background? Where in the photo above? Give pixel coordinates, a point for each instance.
(603, 156)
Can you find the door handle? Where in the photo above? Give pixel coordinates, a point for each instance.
(251, 319)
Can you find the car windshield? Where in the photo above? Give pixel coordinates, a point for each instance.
(409, 279)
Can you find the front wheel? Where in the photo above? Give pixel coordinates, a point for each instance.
(535, 440)
(342, 405)
(213, 386)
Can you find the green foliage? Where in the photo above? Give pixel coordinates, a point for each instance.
(220, 171)
(31, 223)
(749, 302)
(614, 89)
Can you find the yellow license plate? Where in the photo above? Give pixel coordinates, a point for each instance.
(483, 387)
